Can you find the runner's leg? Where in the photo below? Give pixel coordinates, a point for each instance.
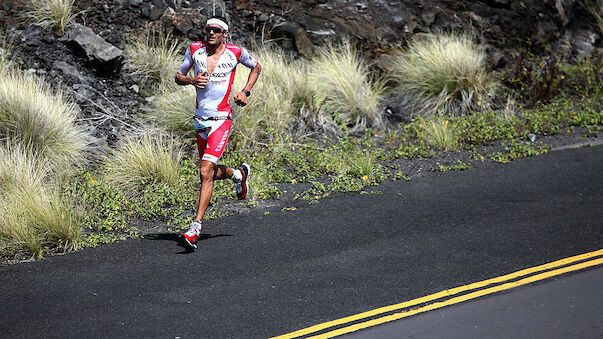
(215, 147)
(222, 172)
(208, 171)
(210, 151)
(201, 145)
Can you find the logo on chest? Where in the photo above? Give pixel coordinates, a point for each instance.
(225, 66)
(201, 65)
(221, 68)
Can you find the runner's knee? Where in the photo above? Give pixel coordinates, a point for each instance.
(207, 171)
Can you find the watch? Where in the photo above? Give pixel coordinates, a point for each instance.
(247, 93)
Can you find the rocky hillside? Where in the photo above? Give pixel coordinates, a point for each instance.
(89, 59)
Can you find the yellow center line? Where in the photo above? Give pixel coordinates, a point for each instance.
(441, 294)
(459, 299)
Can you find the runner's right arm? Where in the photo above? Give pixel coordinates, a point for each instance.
(199, 80)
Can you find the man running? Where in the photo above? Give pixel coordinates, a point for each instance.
(215, 63)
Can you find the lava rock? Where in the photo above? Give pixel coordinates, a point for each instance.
(294, 31)
(71, 73)
(31, 37)
(584, 42)
(105, 58)
(84, 93)
(185, 21)
(156, 13)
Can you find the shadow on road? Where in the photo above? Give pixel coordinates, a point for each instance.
(175, 237)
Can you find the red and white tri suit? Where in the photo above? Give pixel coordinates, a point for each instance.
(213, 101)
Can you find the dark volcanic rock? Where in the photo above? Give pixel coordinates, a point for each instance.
(71, 73)
(583, 42)
(187, 22)
(105, 58)
(298, 36)
(156, 13)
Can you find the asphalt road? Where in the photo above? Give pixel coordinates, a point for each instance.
(564, 307)
(258, 275)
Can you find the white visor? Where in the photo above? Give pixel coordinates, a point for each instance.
(217, 22)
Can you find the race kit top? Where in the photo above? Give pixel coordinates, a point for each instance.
(214, 99)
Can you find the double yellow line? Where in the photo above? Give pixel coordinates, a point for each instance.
(503, 283)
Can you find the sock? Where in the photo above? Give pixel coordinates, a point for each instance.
(196, 225)
(237, 176)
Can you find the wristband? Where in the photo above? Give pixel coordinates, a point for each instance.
(247, 93)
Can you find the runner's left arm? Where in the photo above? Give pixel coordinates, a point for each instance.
(256, 69)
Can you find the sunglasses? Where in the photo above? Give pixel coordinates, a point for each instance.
(213, 29)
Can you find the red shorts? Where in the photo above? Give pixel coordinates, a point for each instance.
(211, 141)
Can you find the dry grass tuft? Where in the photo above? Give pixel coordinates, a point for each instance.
(32, 214)
(269, 112)
(140, 160)
(344, 80)
(172, 109)
(154, 56)
(291, 98)
(40, 120)
(53, 14)
(443, 73)
(595, 8)
(438, 132)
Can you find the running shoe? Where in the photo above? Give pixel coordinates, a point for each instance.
(190, 237)
(243, 186)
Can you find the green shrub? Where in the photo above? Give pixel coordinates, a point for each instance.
(534, 79)
(483, 127)
(460, 166)
(538, 80)
(444, 73)
(563, 112)
(104, 207)
(141, 160)
(53, 14)
(517, 149)
(409, 150)
(584, 78)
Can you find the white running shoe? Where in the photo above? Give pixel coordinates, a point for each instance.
(190, 237)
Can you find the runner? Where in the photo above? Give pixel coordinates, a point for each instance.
(215, 62)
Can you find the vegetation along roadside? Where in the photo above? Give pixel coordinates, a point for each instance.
(305, 139)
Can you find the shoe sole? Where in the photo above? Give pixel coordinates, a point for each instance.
(187, 243)
(246, 175)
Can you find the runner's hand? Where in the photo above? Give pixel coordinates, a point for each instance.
(200, 80)
(240, 99)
